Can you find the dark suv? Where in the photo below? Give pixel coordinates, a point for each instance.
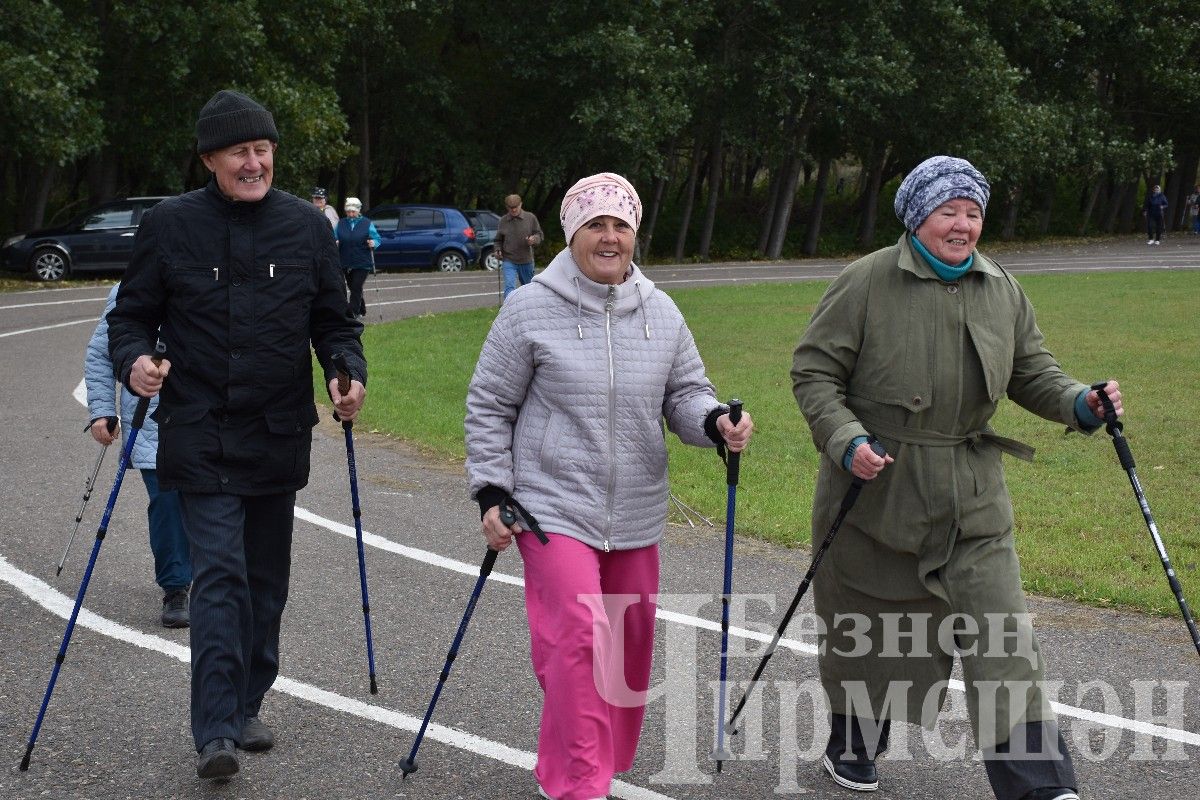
(423, 236)
(98, 239)
(485, 224)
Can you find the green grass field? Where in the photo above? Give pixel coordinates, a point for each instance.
(1080, 533)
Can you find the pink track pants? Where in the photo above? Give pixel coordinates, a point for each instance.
(591, 657)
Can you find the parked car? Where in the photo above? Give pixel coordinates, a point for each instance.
(485, 224)
(98, 239)
(423, 236)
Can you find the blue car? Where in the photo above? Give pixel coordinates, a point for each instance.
(99, 239)
(423, 236)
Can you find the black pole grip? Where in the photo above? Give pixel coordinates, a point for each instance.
(143, 406)
(507, 516)
(1110, 411)
(733, 464)
(343, 372)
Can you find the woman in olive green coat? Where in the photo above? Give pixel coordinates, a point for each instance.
(916, 344)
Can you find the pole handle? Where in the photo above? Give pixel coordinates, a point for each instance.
(1110, 411)
(856, 483)
(143, 405)
(733, 461)
(343, 379)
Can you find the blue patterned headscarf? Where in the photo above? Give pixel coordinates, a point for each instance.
(935, 181)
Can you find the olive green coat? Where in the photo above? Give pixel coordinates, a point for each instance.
(894, 351)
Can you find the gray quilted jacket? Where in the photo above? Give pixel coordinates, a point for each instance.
(566, 406)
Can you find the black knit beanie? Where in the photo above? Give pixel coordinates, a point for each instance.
(231, 117)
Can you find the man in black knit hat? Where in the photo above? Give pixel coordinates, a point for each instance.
(242, 279)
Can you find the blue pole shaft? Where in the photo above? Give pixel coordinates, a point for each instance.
(362, 558)
(87, 576)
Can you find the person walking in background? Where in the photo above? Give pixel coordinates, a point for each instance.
(1193, 207)
(591, 358)
(320, 199)
(356, 238)
(517, 233)
(1155, 210)
(917, 344)
(172, 565)
(242, 279)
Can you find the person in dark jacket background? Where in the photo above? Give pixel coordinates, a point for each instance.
(241, 278)
(356, 239)
(1155, 210)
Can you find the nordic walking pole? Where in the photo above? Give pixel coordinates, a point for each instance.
(1114, 427)
(409, 765)
(139, 416)
(343, 377)
(856, 485)
(733, 463)
(87, 495)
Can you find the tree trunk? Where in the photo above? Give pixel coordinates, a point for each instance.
(715, 173)
(1093, 196)
(870, 200)
(685, 218)
(783, 210)
(651, 220)
(813, 234)
(1009, 230)
(45, 183)
(1130, 207)
(774, 188)
(1047, 209)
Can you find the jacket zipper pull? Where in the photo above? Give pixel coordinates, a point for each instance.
(272, 271)
(606, 545)
(216, 273)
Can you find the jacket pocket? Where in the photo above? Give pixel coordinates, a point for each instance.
(995, 351)
(548, 447)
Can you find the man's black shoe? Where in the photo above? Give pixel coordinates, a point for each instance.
(218, 759)
(857, 775)
(175, 609)
(256, 736)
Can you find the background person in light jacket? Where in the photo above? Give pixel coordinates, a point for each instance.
(168, 542)
(356, 238)
(590, 358)
(916, 344)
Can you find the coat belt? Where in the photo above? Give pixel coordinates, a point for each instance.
(938, 439)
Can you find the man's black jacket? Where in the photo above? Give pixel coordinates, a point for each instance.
(239, 290)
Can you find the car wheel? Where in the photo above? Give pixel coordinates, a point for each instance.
(451, 261)
(50, 264)
(491, 260)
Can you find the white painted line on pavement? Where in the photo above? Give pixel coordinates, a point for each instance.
(49, 327)
(424, 556)
(432, 299)
(59, 604)
(56, 303)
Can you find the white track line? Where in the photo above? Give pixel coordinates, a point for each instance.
(59, 604)
(56, 303)
(433, 559)
(49, 327)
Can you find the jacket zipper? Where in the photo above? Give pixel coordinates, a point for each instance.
(612, 415)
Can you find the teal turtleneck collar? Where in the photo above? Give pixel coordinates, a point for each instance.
(944, 271)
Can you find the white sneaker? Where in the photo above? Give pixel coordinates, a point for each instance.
(1067, 796)
(1149, 241)
(1157, 242)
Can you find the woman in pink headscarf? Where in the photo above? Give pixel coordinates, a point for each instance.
(564, 424)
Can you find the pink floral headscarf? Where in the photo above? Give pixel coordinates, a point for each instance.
(598, 195)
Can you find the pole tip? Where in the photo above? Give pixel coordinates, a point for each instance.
(374, 686)
(25, 760)
(407, 766)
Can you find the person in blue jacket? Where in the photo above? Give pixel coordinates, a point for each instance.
(172, 566)
(1155, 210)
(356, 239)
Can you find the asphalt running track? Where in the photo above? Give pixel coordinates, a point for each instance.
(117, 726)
